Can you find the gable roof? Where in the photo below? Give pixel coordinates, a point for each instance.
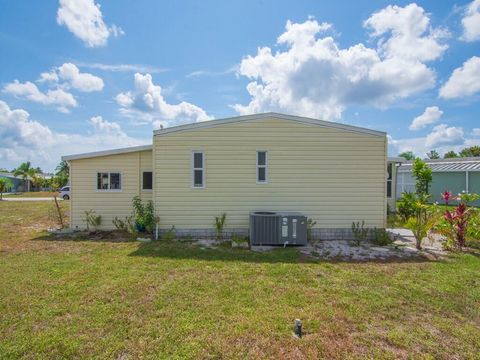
(107, 152)
(300, 119)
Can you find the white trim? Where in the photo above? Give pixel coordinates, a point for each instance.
(262, 166)
(305, 120)
(107, 152)
(466, 181)
(202, 169)
(109, 190)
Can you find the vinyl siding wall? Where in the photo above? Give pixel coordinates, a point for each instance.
(84, 193)
(333, 176)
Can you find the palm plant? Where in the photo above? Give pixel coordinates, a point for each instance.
(25, 171)
(5, 184)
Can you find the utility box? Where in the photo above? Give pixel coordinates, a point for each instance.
(278, 228)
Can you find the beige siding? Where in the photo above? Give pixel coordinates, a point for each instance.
(334, 176)
(84, 194)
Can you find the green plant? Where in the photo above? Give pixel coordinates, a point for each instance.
(144, 215)
(219, 225)
(91, 219)
(25, 171)
(310, 224)
(170, 234)
(406, 205)
(5, 184)
(423, 176)
(425, 218)
(381, 237)
(360, 232)
(122, 225)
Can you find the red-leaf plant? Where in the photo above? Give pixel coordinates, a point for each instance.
(458, 219)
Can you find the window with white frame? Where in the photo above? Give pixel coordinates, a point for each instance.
(198, 169)
(109, 181)
(147, 180)
(261, 167)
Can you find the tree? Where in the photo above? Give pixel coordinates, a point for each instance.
(450, 155)
(433, 154)
(409, 155)
(25, 171)
(5, 184)
(473, 151)
(423, 176)
(62, 172)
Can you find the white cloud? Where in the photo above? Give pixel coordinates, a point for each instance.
(464, 81)
(58, 97)
(471, 22)
(26, 139)
(429, 116)
(105, 126)
(313, 76)
(123, 67)
(85, 20)
(81, 81)
(476, 132)
(147, 103)
(444, 135)
(405, 32)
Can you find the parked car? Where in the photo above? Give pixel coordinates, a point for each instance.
(65, 193)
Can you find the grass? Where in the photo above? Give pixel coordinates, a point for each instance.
(107, 299)
(32, 194)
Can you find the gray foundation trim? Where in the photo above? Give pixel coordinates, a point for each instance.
(317, 234)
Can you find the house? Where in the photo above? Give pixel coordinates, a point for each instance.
(333, 173)
(455, 175)
(19, 184)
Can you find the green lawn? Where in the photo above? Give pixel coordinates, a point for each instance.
(32, 194)
(121, 300)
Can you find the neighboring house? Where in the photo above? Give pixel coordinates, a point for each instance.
(19, 184)
(333, 173)
(393, 164)
(455, 175)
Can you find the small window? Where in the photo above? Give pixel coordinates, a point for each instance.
(198, 169)
(147, 180)
(261, 167)
(109, 181)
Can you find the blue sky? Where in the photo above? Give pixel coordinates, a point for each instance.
(85, 75)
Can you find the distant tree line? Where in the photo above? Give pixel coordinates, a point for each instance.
(37, 177)
(472, 151)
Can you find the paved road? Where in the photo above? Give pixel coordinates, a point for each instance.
(30, 198)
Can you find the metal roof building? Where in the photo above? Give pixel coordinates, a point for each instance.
(455, 175)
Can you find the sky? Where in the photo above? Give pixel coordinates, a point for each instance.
(87, 75)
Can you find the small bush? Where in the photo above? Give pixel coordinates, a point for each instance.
(91, 219)
(360, 232)
(170, 234)
(310, 224)
(122, 225)
(219, 225)
(406, 205)
(381, 237)
(144, 215)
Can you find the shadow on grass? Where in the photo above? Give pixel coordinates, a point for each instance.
(99, 236)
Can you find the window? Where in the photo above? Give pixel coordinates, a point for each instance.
(147, 180)
(198, 173)
(389, 180)
(261, 167)
(109, 181)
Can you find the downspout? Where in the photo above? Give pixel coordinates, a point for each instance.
(467, 174)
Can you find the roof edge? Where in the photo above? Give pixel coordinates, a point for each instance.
(229, 120)
(107, 152)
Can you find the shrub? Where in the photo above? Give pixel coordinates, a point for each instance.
(91, 219)
(123, 225)
(219, 225)
(423, 221)
(310, 224)
(381, 237)
(143, 215)
(406, 205)
(360, 232)
(423, 176)
(170, 234)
